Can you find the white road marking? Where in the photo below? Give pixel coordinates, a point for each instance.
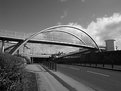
(74, 68)
(98, 73)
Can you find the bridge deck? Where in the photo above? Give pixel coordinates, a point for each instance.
(48, 42)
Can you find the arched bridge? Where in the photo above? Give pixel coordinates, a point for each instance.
(73, 31)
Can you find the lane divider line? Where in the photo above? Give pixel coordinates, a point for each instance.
(74, 68)
(98, 73)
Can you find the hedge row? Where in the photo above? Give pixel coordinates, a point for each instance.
(11, 72)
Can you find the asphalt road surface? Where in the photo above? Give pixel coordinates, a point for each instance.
(98, 79)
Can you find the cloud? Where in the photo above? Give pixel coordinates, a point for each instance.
(59, 23)
(83, 0)
(76, 25)
(64, 15)
(105, 28)
(68, 0)
(63, 0)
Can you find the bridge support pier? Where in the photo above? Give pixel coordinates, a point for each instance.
(3, 46)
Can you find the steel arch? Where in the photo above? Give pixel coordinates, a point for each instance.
(50, 28)
(66, 33)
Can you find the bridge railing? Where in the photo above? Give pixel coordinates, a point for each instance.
(14, 34)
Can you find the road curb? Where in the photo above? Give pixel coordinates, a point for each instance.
(70, 88)
(38, 89)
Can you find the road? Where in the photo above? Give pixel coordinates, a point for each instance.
(98, 79)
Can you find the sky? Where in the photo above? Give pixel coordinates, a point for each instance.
(99, 18)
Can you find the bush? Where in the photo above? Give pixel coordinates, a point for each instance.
(26, 58)
(11, 68)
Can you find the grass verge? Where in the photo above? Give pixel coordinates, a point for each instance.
(29, 81)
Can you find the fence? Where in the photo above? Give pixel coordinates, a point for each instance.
(50, 65)
(108, 60)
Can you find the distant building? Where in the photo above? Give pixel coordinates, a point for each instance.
(110, 46)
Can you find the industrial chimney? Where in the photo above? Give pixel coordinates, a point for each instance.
(110, 45)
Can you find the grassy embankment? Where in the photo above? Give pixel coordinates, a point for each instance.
(13, 76)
